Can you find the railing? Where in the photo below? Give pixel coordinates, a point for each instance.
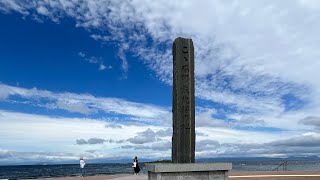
(282, 166)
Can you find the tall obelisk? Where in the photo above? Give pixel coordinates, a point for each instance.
(183, 106)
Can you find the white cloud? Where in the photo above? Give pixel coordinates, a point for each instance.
(149, 136)
(8, 5)
(28, 133)
(102, 67)
(204, 145)
(312, 4)
(85, 103)
(204, 118)
(82, 54)
(123, 58)
(7, 156)
(73, 106)
(94, 60)
(31, 135)
(158, 146)
(311, 121)
(164, 132)
(43, 10)
(143, 137)
(97, 141)
(4, 93)
(113, 125)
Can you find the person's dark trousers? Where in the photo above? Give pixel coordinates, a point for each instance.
(82, 171)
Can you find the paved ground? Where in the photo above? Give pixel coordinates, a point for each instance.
(233, 175)
(274, 175)
(113, 177)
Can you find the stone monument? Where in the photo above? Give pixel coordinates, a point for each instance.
(183, 139)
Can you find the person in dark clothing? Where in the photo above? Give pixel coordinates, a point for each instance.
(135, 166)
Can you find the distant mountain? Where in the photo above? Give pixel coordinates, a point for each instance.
(229, 159)
(314, 157)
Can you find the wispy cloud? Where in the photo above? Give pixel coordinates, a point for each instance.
(124, 61)
(90, 141)
(113, 125)
(206, 119)
(94, 60)
(8, 6)
(84, 103)
(96, 141)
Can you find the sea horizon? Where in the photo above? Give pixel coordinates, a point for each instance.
(93, 169)
(151, 160)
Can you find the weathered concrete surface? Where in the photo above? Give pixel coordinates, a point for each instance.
(216, 175)
(194, 167)
(195, 171)
(183, 110)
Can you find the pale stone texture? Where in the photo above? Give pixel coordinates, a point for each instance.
(194, 171)
(185, 167)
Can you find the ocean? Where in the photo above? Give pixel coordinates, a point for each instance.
(49, 171)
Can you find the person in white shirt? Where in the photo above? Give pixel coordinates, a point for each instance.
(82, 164)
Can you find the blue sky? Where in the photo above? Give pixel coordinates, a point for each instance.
(49, 58)
(94, 78)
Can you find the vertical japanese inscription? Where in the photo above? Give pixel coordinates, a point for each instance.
(183, 139)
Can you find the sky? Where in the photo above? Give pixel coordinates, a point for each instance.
(94, 78)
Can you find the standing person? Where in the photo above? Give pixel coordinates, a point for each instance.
(82, 164)
(136, 167)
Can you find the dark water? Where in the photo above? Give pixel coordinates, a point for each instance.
(46, 171)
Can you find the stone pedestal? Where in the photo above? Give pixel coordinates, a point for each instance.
(188, 171)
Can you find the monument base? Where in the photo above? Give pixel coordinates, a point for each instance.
(192, 171)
